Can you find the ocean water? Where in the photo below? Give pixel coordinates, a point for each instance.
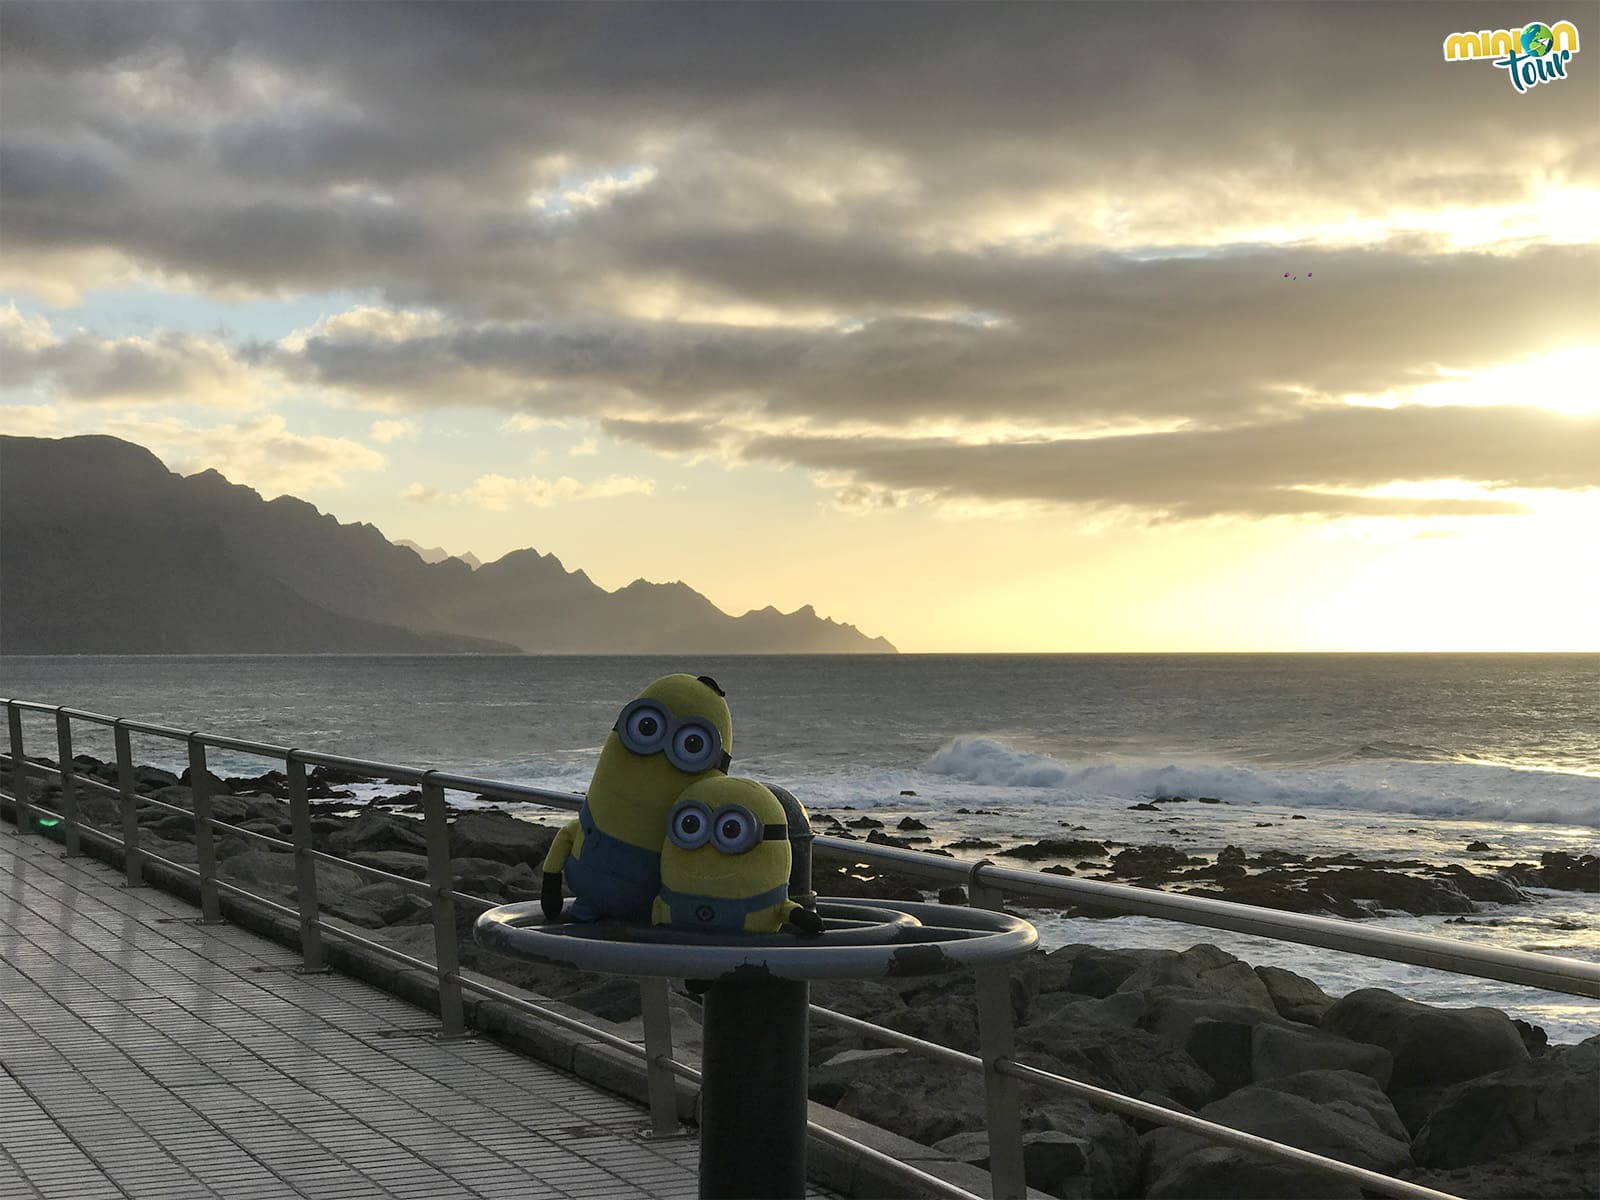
(1388, 756)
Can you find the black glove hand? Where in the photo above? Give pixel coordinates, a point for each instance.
(550, 898)
(806, 922)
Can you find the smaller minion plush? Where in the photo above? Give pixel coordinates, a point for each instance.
(726, 862)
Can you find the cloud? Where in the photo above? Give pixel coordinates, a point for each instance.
(499, 492)
(1044, 267)
(169, 367)
(390, 431)
(264, 455)
(292, 147)
(587, 448)
(31, 420)
(1316, 463)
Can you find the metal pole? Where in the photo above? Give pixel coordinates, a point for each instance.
(446, 949)
(305, 867)
(132, 860)
(997, 1041)
(19, 773)
(205, 842)
(659, 1083)
(753, 1088)
(69, 783)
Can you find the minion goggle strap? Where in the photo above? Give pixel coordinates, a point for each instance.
(731, 829)
(692, 744)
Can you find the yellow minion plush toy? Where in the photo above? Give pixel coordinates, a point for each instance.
(674, 733)
(726, 862)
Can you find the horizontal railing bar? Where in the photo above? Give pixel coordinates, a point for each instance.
(927, 1184)
(415, 885)
(384, 876)
(1548, 971)
(569, 1023)
(345, 935)
(1378, 1182)
(339, 762)
(96, 834)
(176, 809)
(478, 900)
(79, 714)
(241, 831)
(233, 889)
(165, 731)
(260, 749)
(181, 868)
(507, 791)
(880, 1033)
(30, 706)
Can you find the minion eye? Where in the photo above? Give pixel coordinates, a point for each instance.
(734, 830)
(695, 747)
(643, 728)
(689, 826)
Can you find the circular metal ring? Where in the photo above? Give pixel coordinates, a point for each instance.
(872, 941)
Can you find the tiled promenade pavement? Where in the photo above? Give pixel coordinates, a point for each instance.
(145, 1055)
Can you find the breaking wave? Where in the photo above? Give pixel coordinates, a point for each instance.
(1467, 791)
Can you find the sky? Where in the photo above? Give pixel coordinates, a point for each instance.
(1010, 327)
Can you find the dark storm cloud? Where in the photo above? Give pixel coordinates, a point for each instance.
(251, 115)
(1074, 339)
(1276, 468)
(816, 217)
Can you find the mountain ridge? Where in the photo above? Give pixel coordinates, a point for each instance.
(209, 566)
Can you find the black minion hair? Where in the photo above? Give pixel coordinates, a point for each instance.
(712, 684)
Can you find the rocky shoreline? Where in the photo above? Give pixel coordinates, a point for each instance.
(1465, 1100)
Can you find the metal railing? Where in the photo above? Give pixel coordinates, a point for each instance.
(987, 885)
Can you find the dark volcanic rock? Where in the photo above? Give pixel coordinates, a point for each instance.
(1573, 874)
(1295, 996)
(1482, 887)
(1055, 848)
(1395, 890)
(972, 843)
(910, 824)
(496, 835)
(1145, 861)
(1553, 1101)
(379, 831)
(878, 837)
(1123, 1059)
(1335, 1113)
(1431, 1046)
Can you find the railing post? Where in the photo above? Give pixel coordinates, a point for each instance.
(659, 1081)
(441, 885)
(205, 842)
(305, 867)
(997, 1040)
(69, 783)
(19, 771)
(132, 860)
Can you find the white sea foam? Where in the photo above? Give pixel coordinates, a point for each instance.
(1454, 790)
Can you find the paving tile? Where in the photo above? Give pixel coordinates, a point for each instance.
(147, 1056)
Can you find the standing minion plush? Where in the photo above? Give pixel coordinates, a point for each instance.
(726, 862)
(674, 733)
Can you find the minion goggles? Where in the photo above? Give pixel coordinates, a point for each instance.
(731, 829)
(692, 744)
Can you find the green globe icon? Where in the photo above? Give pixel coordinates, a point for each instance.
(1537, 40)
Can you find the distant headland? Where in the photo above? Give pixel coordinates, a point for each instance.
(103, 550)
